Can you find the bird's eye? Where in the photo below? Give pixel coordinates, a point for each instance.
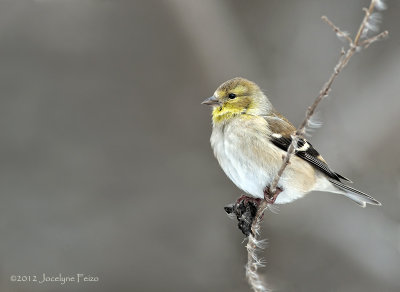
(232, 95)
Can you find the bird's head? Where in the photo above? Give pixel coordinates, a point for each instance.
(235, 97)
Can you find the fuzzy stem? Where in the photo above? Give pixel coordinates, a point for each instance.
(253, 277)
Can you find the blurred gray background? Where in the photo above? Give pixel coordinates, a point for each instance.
(106, 167)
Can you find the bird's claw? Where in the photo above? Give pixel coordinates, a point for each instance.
(245, 209)
(270, 198)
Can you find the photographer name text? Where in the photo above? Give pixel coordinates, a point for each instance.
(59, 278)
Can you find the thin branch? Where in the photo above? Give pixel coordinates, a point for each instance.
(253, 264)
(368, 13)
(338, 31)
(366, 43)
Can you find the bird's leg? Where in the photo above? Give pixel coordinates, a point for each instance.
(270, 198)
(246, 199)
(242, 198)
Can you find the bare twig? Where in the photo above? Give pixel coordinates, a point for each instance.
(365, 20)
(366, 43)
(355, 45)
(338, 31)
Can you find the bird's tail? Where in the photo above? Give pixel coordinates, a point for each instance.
(357, 196)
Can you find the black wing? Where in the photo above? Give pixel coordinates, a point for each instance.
(307, 152)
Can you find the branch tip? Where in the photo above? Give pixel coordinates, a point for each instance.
(355, 45)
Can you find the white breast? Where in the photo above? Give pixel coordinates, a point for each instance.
(249, 169)
(228, 147)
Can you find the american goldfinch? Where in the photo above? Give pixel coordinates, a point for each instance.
(249, 138)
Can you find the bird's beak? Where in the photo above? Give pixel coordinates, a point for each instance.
(211, 101)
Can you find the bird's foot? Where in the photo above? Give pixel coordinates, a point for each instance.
(246, 199)
(245, 210)
(270, 198)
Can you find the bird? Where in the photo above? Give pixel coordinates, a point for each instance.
(249, 139)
